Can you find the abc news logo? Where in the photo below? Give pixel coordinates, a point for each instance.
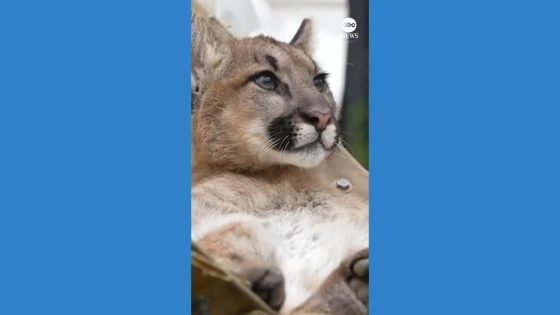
(349, 25)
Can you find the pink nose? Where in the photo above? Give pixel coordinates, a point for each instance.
(320, 120)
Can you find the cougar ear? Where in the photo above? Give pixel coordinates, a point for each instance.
(302, 39)
(209, 47)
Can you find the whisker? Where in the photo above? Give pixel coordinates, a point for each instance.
(345, 144)
(286, 137)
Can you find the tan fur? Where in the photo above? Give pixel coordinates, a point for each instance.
(218, 131)
(231, 178)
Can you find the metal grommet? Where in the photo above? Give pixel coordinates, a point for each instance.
(343, 184)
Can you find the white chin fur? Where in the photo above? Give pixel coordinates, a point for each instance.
(303, 159)
(306, 158)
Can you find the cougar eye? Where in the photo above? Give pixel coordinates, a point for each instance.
(320, 81)
(265, 80)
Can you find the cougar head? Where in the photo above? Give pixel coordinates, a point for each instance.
(258, 102)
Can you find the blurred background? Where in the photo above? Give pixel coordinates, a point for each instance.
(345, 59)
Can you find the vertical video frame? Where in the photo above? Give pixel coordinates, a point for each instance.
(280, 196)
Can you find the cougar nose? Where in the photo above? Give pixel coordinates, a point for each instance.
(319, 120)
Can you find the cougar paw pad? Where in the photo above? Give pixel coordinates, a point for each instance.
(361, 268)
(358, 275)
(268, 284)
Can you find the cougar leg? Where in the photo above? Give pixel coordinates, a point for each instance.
(344, 292)
(241, 248)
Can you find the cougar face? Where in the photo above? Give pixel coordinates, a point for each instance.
(296, 117)
(268, 104)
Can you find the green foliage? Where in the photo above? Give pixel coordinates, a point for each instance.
(355, 130)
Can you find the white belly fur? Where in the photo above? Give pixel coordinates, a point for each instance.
(308, 246)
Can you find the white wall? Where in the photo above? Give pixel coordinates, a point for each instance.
(281, 18)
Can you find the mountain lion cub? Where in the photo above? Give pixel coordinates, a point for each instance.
(264, 128)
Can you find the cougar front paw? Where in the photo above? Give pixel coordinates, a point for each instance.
(358, 275)
(268, 284)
